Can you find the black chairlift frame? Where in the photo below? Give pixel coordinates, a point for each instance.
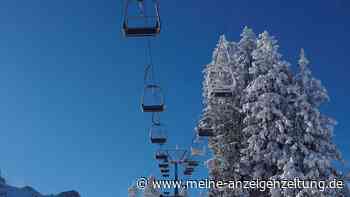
(205, 132)
(164, 170)
(192, 163)
(163, 165)
(222, 94)
(144, 31)
(153, 108)
(161, 156)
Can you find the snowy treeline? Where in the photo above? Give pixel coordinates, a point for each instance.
(148, 191)
(7, 190)
(271, 128)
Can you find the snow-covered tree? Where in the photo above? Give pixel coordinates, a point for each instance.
(231, 62)
(266, 121)
(271, 127)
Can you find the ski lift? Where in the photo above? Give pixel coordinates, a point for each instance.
(192, 163)
(164, 170)
(198, 147)
(205, 127)
(161, 155)
(187, 173)
(158, 134)
(163, 165)
(189, 169)
(136, 25)
(152, 99)
(224, 83)
(165, 175)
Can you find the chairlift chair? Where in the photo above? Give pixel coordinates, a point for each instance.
(198, 148)
(152, 99)
(144, 30)
(158, 134)
(165, 175)
(189, 168)
(164, 170)
(187, 173)
(161, 155)
(163, 165)
(222, 93)
(205, 127)
(224, 84)
(192, 163)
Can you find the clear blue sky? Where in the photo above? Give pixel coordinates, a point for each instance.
(70, 85)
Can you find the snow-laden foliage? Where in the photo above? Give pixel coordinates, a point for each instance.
(271, 128)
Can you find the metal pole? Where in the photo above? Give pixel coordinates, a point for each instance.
(176, 191)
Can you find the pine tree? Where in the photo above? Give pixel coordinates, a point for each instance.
(272, 127)
(266, 121)
(313, 150)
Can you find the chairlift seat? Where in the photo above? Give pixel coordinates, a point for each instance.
(164, 165)
(222, 94)
(153, 108)
(141, 31)
(161, 156)
(205, 132)
(192, 163)
(189, 169)
(164, 170)
(158, 140)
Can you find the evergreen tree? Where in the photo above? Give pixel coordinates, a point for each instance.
(266, 121)
(271, 128)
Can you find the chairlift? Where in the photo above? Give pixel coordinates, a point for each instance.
(163, 165)
(164, 170)
(165, 175)
(152, 99)
(137, 24)
(188, 171)
(198, 148)
(158, 134)
(205, 127)
(192, 163)
(224, 83)
(161, 155)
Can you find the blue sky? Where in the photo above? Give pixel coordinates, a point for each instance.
(70, 85)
